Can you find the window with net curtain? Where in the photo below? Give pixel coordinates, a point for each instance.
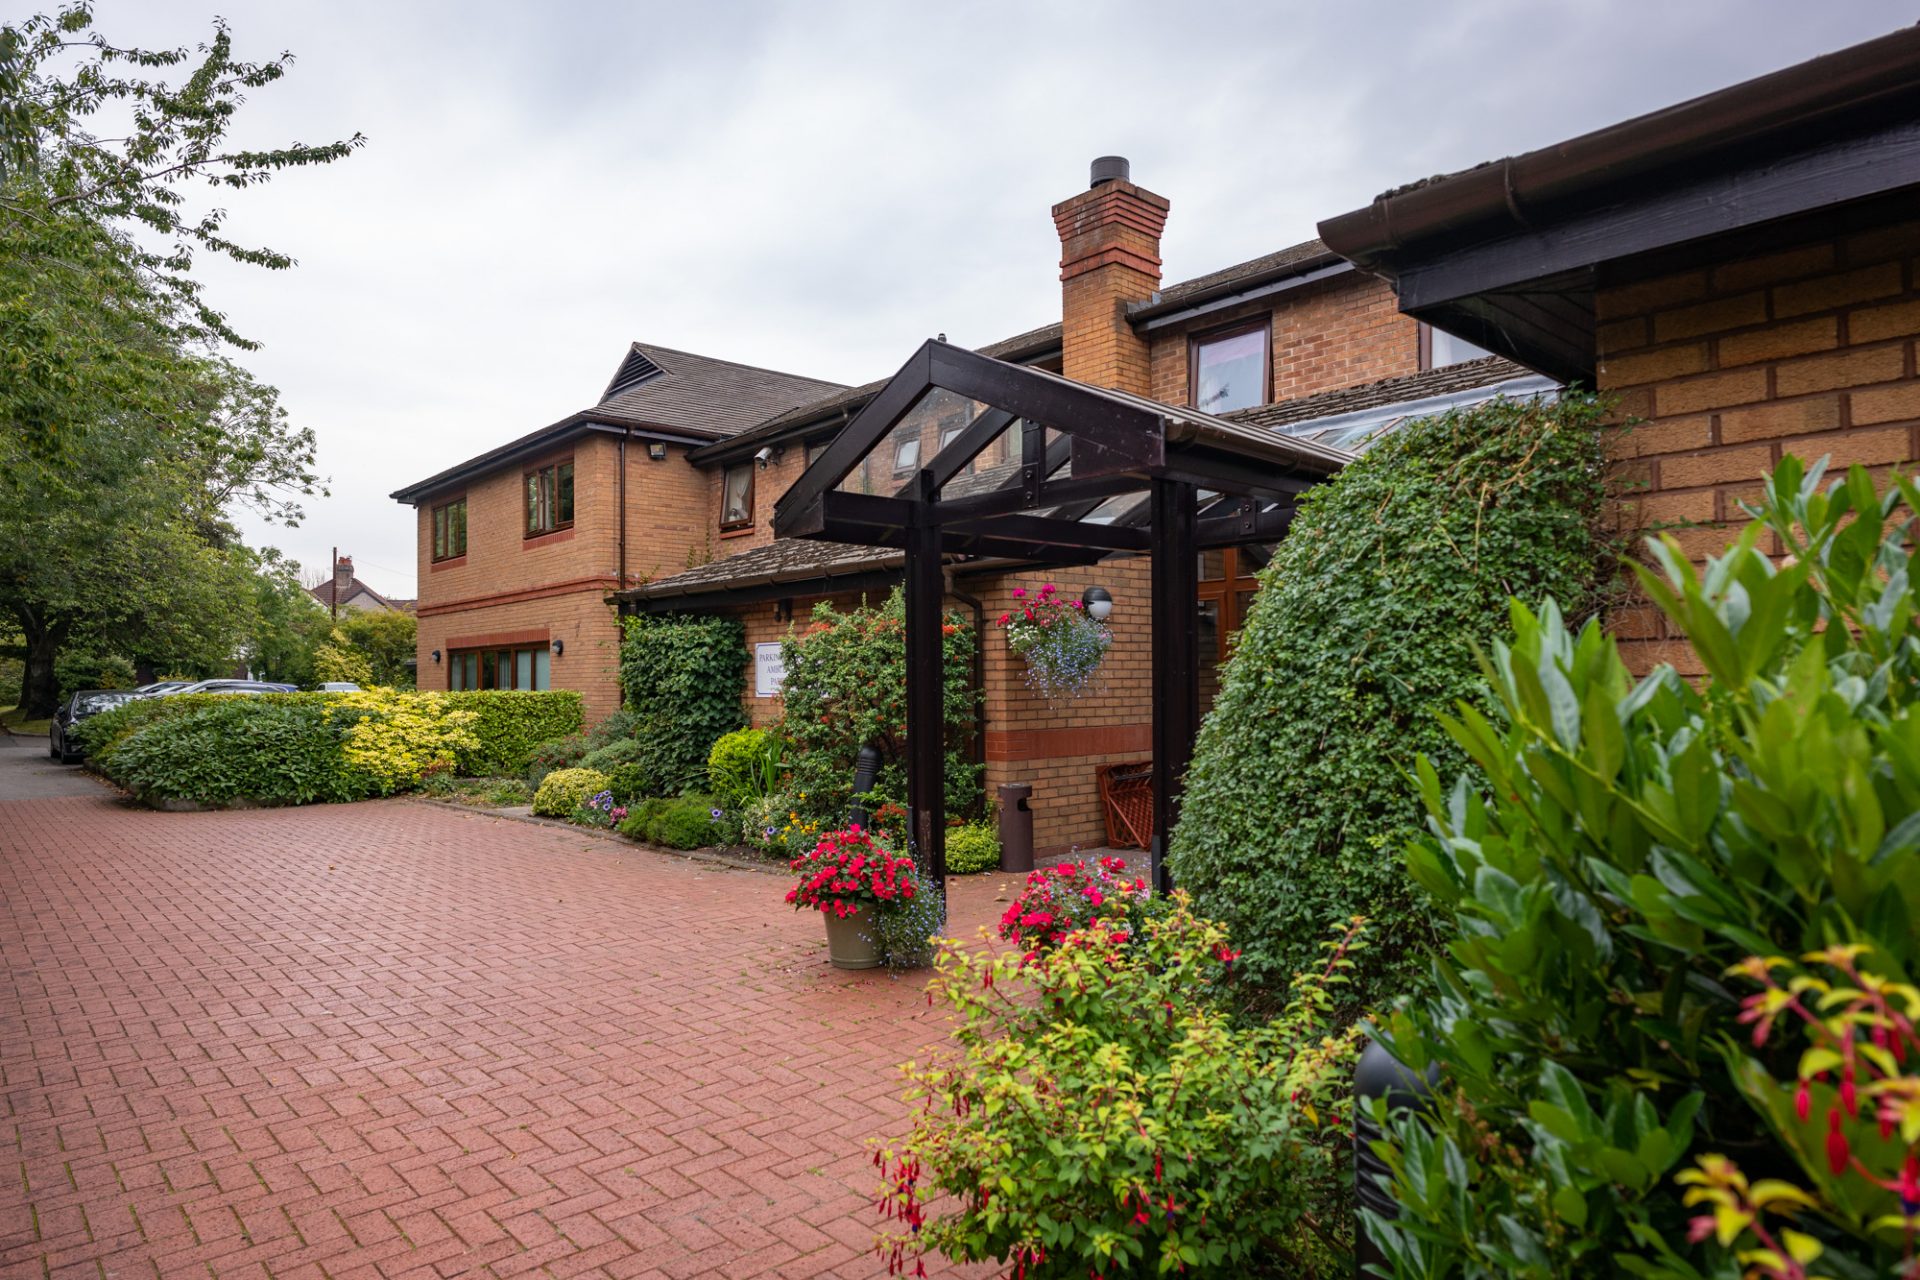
(1230, 370)
(736, 496)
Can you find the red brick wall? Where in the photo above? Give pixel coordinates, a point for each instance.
(1736, 362)
(1340, 332)
(508, 583)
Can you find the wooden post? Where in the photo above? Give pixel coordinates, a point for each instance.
(926, 693)
(1176, 669)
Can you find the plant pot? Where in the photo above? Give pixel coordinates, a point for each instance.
(853, 941)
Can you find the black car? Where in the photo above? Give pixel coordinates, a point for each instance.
(87, 702)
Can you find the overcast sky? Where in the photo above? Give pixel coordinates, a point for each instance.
(817, 187)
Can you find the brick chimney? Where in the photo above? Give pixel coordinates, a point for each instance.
(342, 578)
(1109, 256)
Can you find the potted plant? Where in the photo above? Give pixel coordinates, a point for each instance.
(1061, 643)
(852, 882)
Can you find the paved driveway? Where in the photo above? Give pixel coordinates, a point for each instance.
(390, 1039)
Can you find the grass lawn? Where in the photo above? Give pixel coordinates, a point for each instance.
(11, 718)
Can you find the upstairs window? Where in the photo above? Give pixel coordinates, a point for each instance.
(1438, 349)
(906, 454)
(1230, 369)
(450, 530)
(736, 496)
(550, 498)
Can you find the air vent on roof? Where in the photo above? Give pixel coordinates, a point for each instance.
(634, 370)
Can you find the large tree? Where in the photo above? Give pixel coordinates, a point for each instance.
(125, 437)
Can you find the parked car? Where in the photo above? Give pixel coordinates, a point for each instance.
(86, 703)
(339, 686)
(231, 686)
(159, 687)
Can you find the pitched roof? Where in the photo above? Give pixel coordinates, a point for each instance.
(324, 593)
(847, 402)
(678, 393)
(783, 560)
(1291, 260)
(1387, 391)
(683, 389)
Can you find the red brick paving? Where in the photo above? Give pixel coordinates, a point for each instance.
(394, 1040)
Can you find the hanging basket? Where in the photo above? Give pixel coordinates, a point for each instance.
(1061, 644)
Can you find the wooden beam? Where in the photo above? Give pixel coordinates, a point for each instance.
(1176, 670)
(855, 440)
(1261, 524)
(960, 450)
(1060, 404)
(926, 703)
(1051, 531)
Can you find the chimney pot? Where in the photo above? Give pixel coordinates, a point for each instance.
(1110, 169)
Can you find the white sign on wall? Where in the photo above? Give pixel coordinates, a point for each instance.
(769, 670)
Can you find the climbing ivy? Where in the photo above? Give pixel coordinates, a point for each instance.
(684, 677)
(1298, 802)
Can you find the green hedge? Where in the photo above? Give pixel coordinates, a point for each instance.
(683, 677)
(1298, 801)
(512, 724)
(237, 749)
(509, 725)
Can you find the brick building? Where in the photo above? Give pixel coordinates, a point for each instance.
(1741, 270)
(706, 447)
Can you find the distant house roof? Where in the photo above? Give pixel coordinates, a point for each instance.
(658, 391)
(324, 594)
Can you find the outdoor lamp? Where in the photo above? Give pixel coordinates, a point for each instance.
(436, 657)
(657, 450)
(1098, 601)
(559, 648)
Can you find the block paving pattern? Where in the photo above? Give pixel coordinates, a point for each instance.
(395, 1040)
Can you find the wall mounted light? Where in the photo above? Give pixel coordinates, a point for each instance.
(436, 657)
(657, 450)
(1099, 603)
(559, 648)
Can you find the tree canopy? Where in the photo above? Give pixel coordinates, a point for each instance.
(127, 437)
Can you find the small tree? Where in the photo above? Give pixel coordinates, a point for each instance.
(846, 688)
(338, 661)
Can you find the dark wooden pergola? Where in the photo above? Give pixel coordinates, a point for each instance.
(1030, 466)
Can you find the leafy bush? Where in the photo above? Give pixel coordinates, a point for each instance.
(239, 750)
(972, 847)
(510, 725)
(641, 814)
(684, 677)
(394, 738)
(564, 790)
(561, 753)
(628, 782)
(1105, 1116)
(1623, 865)
(76, 669)
(689, 822)
(1298, 801)
(744, 765)
(623, 751)
(337, 660)
(102, 733)
(846, 687)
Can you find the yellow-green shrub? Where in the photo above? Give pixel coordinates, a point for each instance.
(393, 737)
(511, 724)
(565, 790)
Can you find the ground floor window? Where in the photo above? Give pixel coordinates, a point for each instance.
(527, 667)
(1227, 584)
